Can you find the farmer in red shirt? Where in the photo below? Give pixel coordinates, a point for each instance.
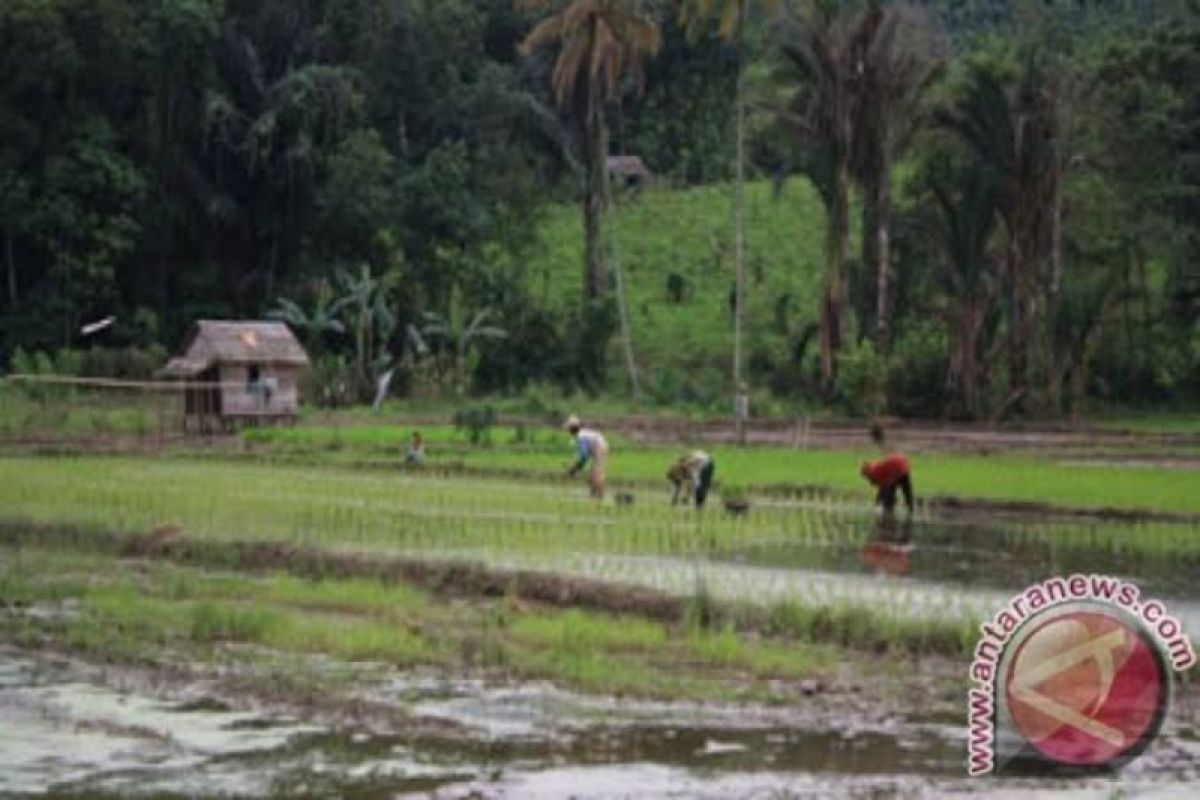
(887, 475)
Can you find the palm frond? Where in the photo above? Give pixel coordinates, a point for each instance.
(548, 31)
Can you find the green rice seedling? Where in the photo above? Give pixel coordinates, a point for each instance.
(513, 523)
(351, 639)
(358, 594)
(122, 613)
(211, 622)
(581, 631)
(727, 648)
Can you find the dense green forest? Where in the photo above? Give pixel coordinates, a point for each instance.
(996, 205)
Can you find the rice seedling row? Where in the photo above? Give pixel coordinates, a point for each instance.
(554, 528)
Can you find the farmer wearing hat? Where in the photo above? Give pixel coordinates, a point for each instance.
(888, 474)
(590, 446)
(694, 470)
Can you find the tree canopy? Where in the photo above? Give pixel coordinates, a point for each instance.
(1010, 191)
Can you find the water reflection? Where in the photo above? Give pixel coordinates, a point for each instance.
(1163, 559)
(888, 549)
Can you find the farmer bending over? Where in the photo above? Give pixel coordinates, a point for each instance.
(887, 475)
(590, 446)
(694, 470)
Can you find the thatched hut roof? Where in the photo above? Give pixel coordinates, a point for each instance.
(224, 342)
(628, 167)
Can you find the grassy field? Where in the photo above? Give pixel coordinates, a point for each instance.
(142, 612)
(64, 412)
(689, 234)
(547, 452)
(1166, 422)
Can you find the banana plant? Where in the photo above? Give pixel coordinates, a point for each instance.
(321, 319)
(365, 305)
(463, 330)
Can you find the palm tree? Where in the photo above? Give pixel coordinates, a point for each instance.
(601, 43)
(899, 66)
(824, 53)
(1015, 137)
(961, 231)
(463, 330)
(732, 28)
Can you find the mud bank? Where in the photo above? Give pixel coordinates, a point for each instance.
(441, 577)
(649, 592)
(77, 730)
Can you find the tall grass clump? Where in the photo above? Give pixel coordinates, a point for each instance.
(211, 622)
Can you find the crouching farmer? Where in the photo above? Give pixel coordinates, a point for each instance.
(591, 447)
(692, 473)
(887, 475)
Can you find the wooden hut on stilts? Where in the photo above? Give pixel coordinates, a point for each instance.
(238, 373)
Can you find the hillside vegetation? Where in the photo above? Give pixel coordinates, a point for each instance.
(666, 236)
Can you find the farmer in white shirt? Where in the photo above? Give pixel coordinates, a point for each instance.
(693, 471)
(590, 446)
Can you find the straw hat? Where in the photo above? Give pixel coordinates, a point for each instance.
(573, 422)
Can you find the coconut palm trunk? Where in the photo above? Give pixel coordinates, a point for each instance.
(595, 160)
(837, 245)
(881, 214)
(965, 365)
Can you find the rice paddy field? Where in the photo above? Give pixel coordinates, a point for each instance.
(928, 577)
(310, 563)
(1153, 476)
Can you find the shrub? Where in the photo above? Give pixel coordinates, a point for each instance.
(329, 382)
(677, 288)
(476, 421)
(916, 376)
(863, 379)
(699, 388)
(130, 363)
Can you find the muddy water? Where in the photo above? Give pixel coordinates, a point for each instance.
(74, 731)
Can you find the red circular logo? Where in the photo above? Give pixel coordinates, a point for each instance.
(1086, 688)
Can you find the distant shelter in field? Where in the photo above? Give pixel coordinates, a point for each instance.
(630, 171)
(239, 372)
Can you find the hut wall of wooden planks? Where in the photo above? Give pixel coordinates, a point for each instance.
(239, 372)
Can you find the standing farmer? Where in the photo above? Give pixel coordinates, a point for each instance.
(887, 475)
(695, 470)
(590, 446)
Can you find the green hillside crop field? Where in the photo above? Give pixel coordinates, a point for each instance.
(690, 233)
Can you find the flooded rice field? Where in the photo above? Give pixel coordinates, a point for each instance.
(78, 731)
(934, 568)
(822, 548)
